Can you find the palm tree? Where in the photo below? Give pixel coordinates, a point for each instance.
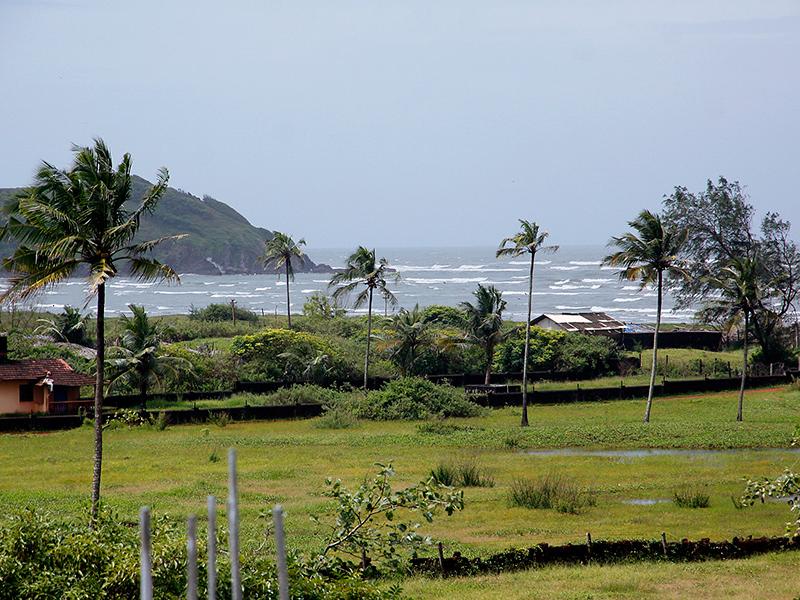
(69, 326)
(140, 359)
(647, 254)
(69, 220)
(363, 269)
(279, 252)
(483, 322)
(530, 239)
(411, 333)
(739, 295)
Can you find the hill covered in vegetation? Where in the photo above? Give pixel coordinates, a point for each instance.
(219, 239)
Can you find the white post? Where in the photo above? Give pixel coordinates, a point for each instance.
(191, 559)
(145, 561)
(212, 548)
(280, 544)
(233, 527)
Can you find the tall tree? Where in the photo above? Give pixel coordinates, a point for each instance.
(410, 335)
(139, 357)
(648, 254)
(720, 222)
(69, 326)
(531, 240)
(363, 269)
(738, 298)
(279, 252)
(483, 323)
(76, 219)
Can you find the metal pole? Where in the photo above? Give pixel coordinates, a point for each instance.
(233, 527)
(212, 548)
(145, 560)
(280, 546)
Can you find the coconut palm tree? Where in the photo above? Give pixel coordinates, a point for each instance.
(411, 333)
(69, 326)
(80, 219)
(530, 240)
(363, 269)
(279, 252)
(740, 294)
(483, 322)
(138, 356)
(647, 254)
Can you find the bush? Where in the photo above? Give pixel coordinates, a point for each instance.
(465, 474)
(274, 354)
(447, 316)
(222, 312)
(211, 370)
(588, 356)
(691, 498)
(414, 398)
(336, 416)
(550, 492)
(542, 356)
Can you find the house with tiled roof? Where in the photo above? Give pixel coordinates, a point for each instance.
(38, 385)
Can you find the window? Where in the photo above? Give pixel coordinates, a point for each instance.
(26, 392)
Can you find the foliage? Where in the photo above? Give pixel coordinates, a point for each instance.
(720, 224)
(321, 306)
(221, 312)
(410, 335)
(279, 252)
(414, 398)
(69, 326)
(446, 316)
(543, 355)
(483, 322)
(273, 354)
(378, 523)
(550, 492)
(784, 487)
(687, 497)
(41, 557)
(463, 474)
(306, 393)
(209, 369)
(588, 355)
(336, 416)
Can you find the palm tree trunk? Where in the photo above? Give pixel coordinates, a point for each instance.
(489, 356)
(369, 336)
(524, 422)
(288, 302)
(143, 390)
(739, 416)
(98, 402)
(654, 366)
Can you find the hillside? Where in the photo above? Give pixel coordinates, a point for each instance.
(219, 240)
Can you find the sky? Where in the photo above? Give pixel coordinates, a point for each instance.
(414, 123)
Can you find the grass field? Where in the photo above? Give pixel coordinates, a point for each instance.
(287, 462)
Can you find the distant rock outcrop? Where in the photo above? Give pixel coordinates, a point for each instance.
(220, 241)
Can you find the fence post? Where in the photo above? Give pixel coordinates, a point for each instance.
(589, 544)
(664, 542)
(233, 527)
(441, 557)
(280, 546)
(145, 560)
(191, 559)
(212, 548)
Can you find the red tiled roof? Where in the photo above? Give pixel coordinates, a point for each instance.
(33, 370)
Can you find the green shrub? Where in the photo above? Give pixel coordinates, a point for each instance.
(220, 419)
(549, 492)
(691, 498)
(414, 398)
(447, 316)
(587, 356)
(336, 416)
(465, 474)
(211, 370)
(445, 474)
(543, 354)
(222, 312)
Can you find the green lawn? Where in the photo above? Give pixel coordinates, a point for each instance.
(287, 462)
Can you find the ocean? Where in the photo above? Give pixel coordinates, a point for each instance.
(570, 280)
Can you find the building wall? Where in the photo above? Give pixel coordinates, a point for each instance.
(9, 399)
(549, 324)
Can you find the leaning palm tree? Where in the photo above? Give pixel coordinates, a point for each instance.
(69, 326)
(80, 219)
(139, 358)
(483, 323)
(279, 252)
(648, 254)
(737, 284)
(363, 269)
(529, 240)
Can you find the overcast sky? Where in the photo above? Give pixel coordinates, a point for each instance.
(414, 123)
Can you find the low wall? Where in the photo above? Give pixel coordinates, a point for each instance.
(701, 340)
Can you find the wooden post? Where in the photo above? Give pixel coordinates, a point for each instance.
(441, 557)
(280, 547)
(145, 559)
(191, 559)
(589, 544)
(233, 527)
(664, 542)
(233, 310)
(212, 548)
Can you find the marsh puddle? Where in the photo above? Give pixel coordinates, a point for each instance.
(646, 452)
(646, 501)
